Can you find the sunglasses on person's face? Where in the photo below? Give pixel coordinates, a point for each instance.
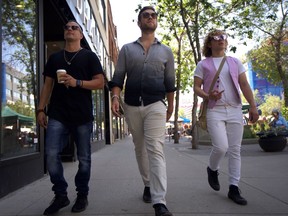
(74, 27)
(219, 37)
(147, 15)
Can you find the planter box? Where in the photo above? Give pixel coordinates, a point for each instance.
(273, 143)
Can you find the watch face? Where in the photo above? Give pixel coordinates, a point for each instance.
(78, 82)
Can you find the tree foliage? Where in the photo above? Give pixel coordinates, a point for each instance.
(22, 108)
(19, 29)
(256, 96)
(271, 102)
(263, 60)
(175, 36)
(266, 21)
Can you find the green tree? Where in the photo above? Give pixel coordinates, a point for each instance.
(284, 112)
(266, 21)
(19, 30)
(256, 95)
(22, 108)
(271, 102)
(181, 113)
(175, 36)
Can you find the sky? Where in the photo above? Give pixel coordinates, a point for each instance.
(123, 12)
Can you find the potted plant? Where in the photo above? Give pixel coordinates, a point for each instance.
(273, 139)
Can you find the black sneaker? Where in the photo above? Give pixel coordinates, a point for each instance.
(234, 194)
(147, 195)
(81, 204)
(213, 179)
(56, 204)
(161, 210)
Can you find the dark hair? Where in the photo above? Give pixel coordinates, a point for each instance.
(143, 9)
(276, 111)
(75, 22)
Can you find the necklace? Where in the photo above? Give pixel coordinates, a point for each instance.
(70, 61)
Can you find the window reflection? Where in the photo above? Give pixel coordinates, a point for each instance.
(18, 69)
(99, 116)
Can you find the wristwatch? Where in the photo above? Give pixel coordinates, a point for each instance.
(78, 83)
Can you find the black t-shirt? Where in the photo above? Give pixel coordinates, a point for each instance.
(73, 105)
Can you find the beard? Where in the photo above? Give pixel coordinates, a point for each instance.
(148, 28)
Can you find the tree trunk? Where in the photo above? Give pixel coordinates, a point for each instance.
(195, 140)
(178, 84)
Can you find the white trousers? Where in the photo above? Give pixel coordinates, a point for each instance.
(225, 126)
(147, 126)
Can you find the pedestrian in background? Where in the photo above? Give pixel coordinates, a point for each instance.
(278, 120)
(69, 101)
(148, 66)
(224, 113)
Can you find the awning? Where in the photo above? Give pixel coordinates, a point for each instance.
(180, 119)
(185, 120)
(8, 112)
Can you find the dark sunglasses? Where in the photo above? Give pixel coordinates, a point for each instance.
(67, 27)
(147, 15)
(219, 37)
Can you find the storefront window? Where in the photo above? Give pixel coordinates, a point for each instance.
(18, 55)
(99, 116)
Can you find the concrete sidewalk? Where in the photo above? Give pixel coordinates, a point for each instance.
(116, 187)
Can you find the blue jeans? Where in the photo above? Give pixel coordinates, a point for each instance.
(57, 137)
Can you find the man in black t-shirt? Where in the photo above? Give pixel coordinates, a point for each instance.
(69, 101)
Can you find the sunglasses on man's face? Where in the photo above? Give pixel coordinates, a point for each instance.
(147, 15)
(219, 37)
(67, 27)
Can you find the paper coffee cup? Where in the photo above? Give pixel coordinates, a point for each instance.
(60, 72)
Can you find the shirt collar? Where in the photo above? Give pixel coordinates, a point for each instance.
(155, 41)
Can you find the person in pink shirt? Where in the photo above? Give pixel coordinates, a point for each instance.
(224, 112)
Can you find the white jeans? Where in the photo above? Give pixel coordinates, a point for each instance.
(147, 126)
(225, 126)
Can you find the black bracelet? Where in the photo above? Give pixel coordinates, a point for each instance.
(40, 110)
